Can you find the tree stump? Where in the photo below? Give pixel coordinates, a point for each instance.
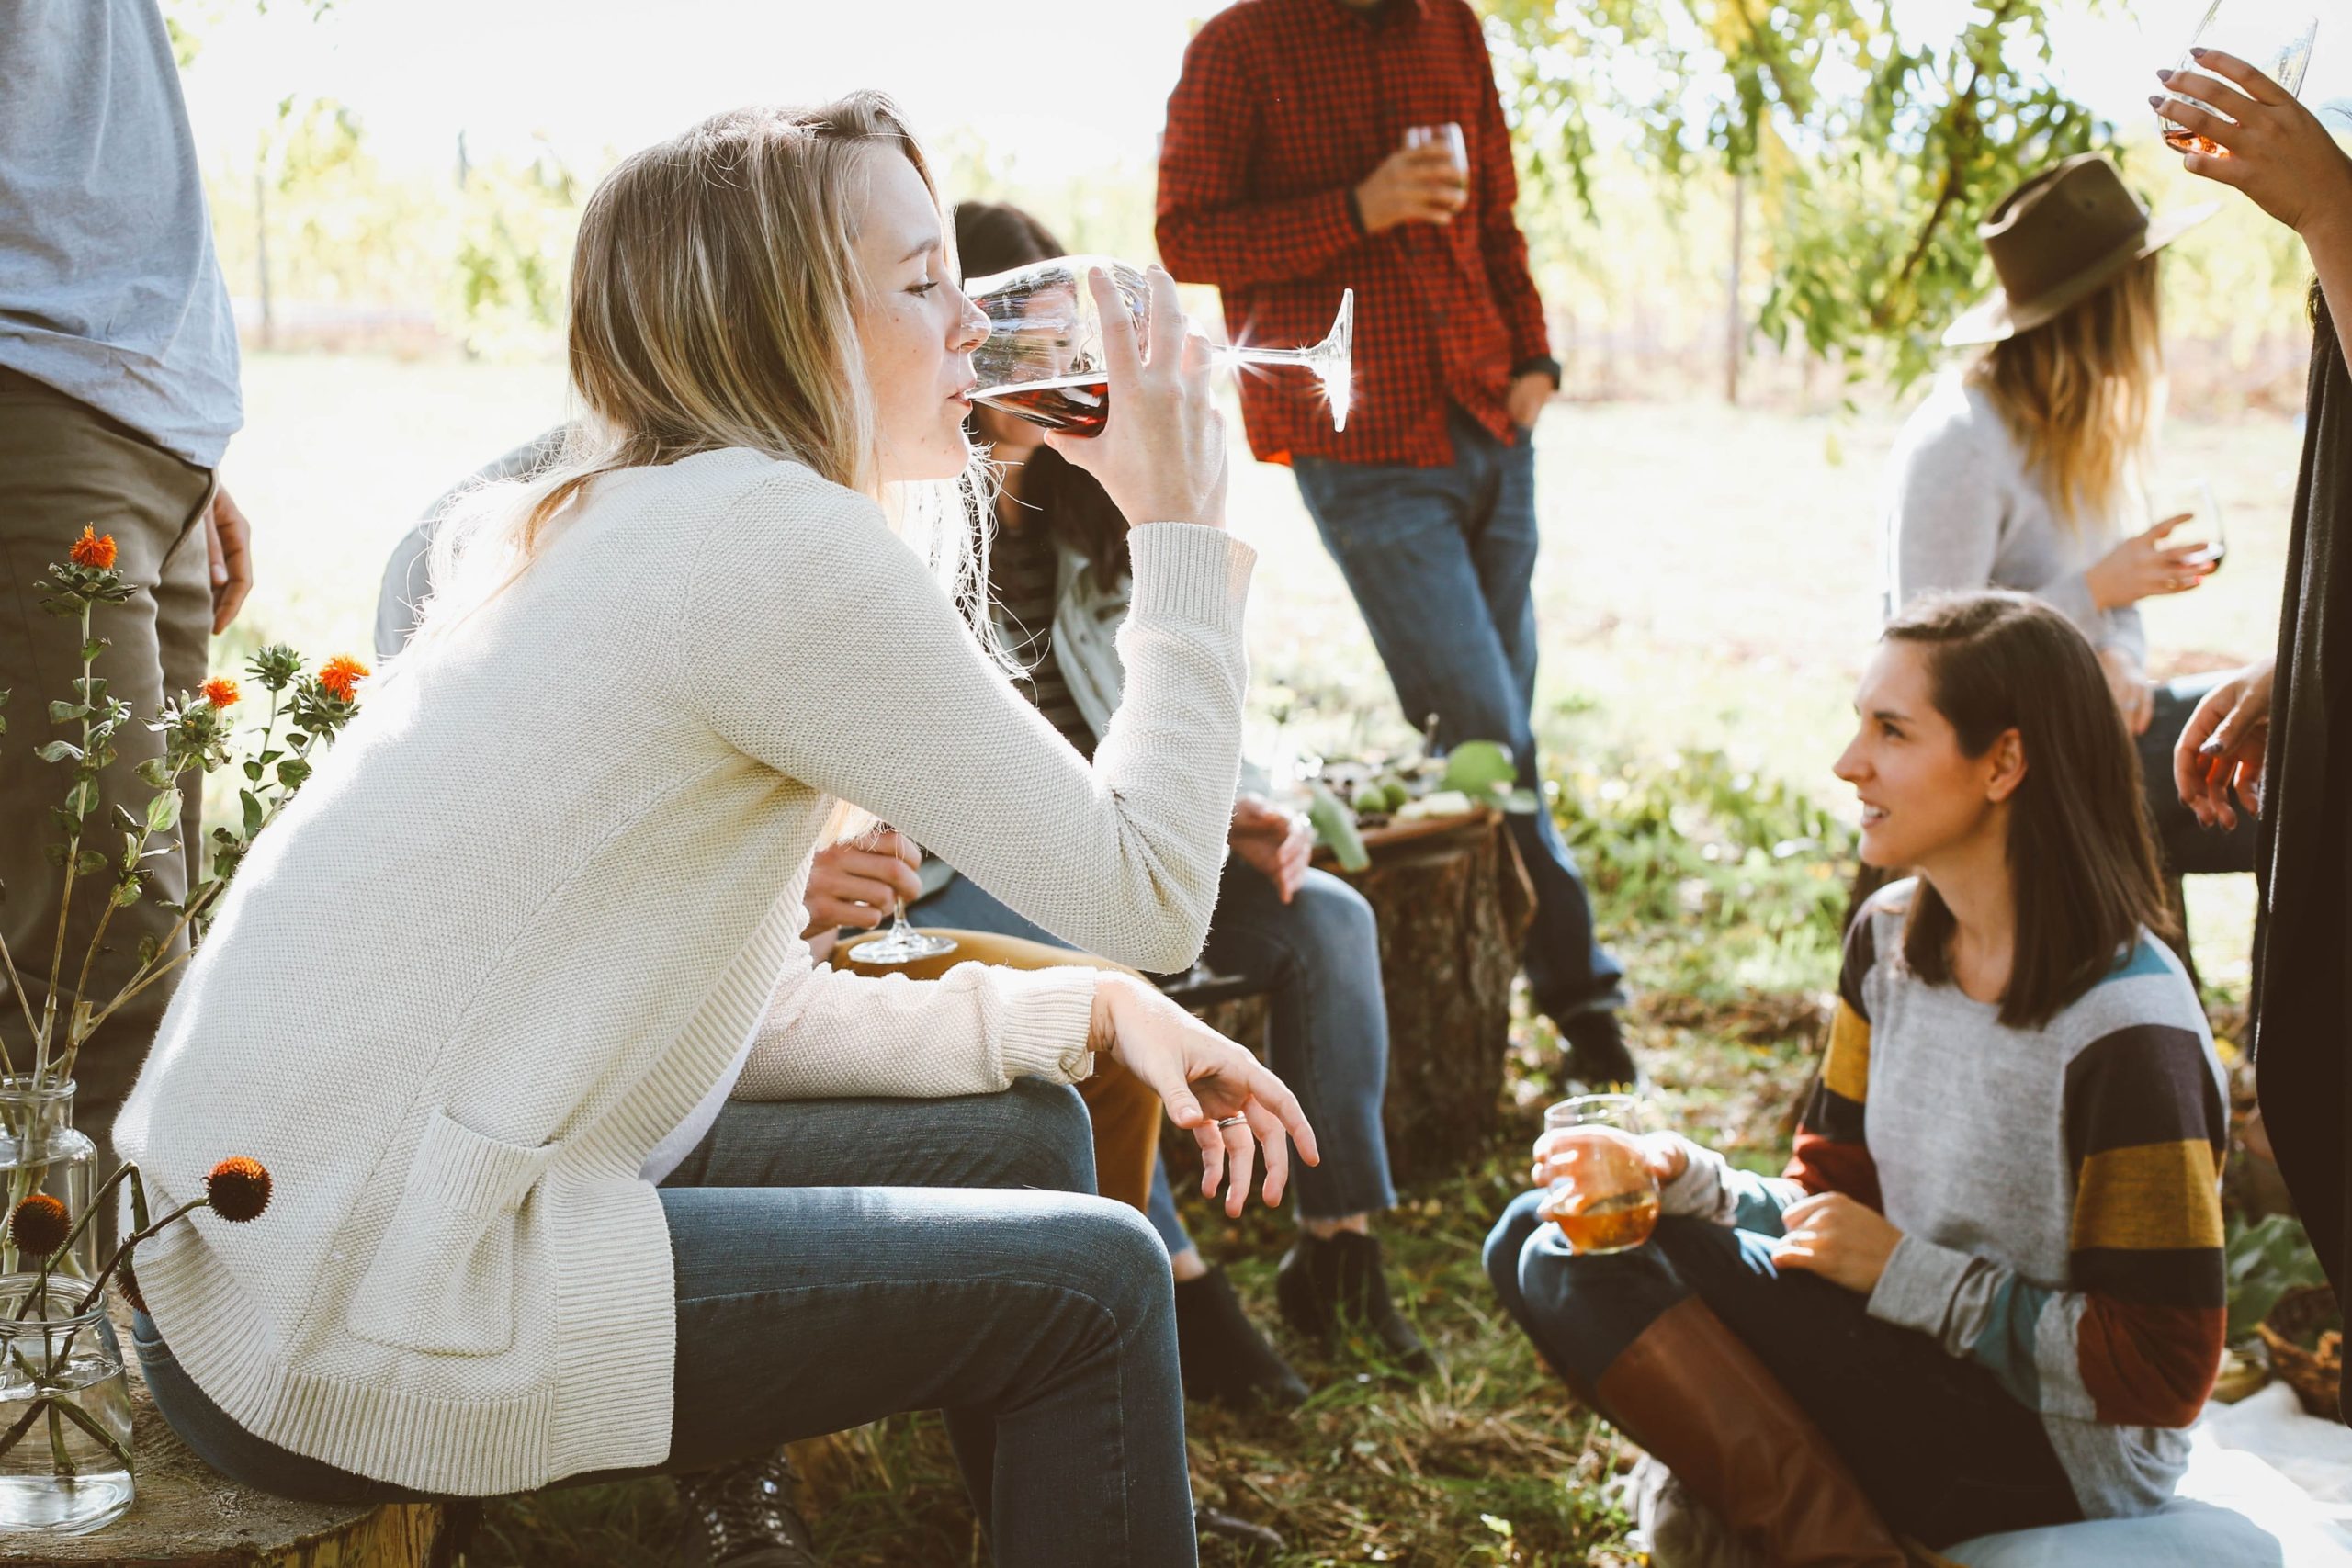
(1453, 905)
(189, 1516)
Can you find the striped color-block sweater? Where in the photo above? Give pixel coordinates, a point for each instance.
(2058, 1192)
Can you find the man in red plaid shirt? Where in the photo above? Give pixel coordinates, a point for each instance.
(1284, 179)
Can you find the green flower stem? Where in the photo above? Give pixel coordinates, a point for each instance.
(73, 860)
(89, 1424)
(15, 1434)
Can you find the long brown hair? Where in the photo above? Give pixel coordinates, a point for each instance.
(2081, 858)
(993, 237)
(2080, 392)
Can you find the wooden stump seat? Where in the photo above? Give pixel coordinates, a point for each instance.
(189, 1516)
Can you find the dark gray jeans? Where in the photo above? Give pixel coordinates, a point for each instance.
(838, 1261)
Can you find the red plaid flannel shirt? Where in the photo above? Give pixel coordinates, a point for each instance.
(1285, 105)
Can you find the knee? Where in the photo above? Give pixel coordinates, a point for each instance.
(1045, 1137)
(1124, 1266)
(1505, 1243)
(1337, 929)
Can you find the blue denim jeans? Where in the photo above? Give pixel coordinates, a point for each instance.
(1441, 562)
(1319, 959)
(2186, 845)
(838, 1261)
(1940, 1447)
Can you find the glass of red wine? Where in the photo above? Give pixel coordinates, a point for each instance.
(1043, 359)
(2273, 35)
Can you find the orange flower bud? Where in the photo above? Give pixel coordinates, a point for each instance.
(220, 692)
(341, 676)
(239, 1188)
(38, 1227)
(93, 549)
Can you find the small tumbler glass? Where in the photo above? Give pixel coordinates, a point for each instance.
(1609, 1203)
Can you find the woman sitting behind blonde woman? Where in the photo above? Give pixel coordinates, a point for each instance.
(1988, 1292)
(582, 1166)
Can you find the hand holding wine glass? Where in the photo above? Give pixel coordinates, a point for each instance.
(1164, 462)
(1421, 181)
(2261, 140)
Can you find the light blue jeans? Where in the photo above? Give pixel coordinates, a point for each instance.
(1317, 957)
(838, 1261)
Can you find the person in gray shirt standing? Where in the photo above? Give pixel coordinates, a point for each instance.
(118, 395)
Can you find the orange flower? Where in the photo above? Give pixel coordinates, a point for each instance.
(39, 1225)
(220, 692)
(239, 1187)
(93, 549)
(341, 675)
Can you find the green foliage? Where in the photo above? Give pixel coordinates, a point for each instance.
(1873, 159)
(1734, 879)
(2263, 1261)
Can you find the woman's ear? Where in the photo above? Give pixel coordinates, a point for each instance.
(2006, 762)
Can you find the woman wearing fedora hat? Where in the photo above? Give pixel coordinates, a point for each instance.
(2024, 470)
(2276, 739)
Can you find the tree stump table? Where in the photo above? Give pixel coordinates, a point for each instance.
(1453, 904)
(189, 1516)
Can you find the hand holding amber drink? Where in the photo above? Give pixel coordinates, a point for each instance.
(1602, 1179)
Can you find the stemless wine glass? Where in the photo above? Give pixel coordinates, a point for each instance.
(2194, 499)
(1043, 359)
(1449, 136)
(2273, 35)
(901, 943)
(1609, 1202)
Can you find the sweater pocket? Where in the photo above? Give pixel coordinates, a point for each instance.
(442, 1279)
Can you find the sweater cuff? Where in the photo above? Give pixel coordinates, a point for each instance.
(1046, 1013)
(1185, 571)
(1700, 1192)
(1355, 213)
(1917, 1288)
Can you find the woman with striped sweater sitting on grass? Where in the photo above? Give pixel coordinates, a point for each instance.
(1988, 1293)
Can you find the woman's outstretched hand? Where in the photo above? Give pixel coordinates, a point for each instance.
(2221, 749)
(1204, 1079)
(1161, 457)
(2277, 152)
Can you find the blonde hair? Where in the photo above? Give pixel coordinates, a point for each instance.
(713, 291)
(2080, 393)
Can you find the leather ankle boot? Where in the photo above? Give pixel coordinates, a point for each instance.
(1325, 1283)
(1697, 1399)
(1221, 1354)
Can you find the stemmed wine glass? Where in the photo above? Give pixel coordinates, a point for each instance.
(2273, 35)
(1043, 359)
(901, 943)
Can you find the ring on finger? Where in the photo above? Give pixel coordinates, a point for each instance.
(1232, 1120)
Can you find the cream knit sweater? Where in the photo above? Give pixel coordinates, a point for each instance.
(544, 886)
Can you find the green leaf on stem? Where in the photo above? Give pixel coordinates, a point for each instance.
(252, 811)
(125, 894)
(82, 798)
(59, 751)
(292, 771)
(66, 712)
(89, 862)
(154, 772)
(147, 949)
(164, 811)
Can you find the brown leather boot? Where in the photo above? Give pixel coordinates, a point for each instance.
(1699, 1400)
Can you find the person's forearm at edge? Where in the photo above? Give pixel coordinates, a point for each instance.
(2328, 238)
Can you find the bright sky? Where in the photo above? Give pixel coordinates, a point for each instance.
(1078, 87)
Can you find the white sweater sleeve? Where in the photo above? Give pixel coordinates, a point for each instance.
(818, 1038)
(816, 642)
(1943, 518)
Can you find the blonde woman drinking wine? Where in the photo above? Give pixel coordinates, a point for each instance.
(2028, 469)
(567, 1182)
(1988, 1295)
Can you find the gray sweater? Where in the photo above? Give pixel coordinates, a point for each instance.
(1965, 512)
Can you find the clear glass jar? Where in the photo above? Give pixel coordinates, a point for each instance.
(64, 1413)
(41, 1151)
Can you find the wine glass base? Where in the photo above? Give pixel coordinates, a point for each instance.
(901, 947)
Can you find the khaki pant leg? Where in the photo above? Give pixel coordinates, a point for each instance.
(1125, 1110)
(62, 465)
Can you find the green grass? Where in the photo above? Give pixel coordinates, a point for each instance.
(1707, 595)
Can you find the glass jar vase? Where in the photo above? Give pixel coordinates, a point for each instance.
(64, 1412)
(41, 1151)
